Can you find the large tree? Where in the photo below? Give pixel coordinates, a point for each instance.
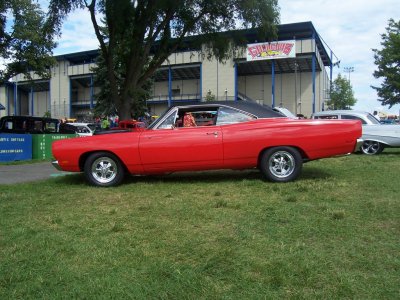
(136, 37)
(342, 95)
(26, 39)
(105, 106)
(388, 61)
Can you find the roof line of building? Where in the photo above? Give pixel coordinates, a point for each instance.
(296, 31)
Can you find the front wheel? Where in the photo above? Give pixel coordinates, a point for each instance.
(371, 147)
(103, 169)
(281, 164)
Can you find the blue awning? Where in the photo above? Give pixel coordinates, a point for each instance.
(2, 107)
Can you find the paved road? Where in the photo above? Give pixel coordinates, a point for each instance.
(10, 174)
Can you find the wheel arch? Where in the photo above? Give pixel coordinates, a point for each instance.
(301, 151)
(85, 156)
(372, 139)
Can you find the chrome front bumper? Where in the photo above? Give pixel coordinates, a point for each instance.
(56, 165)
(358, 145)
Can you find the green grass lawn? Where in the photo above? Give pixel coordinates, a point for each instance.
(334, 233)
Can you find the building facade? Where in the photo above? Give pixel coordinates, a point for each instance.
(300, 82)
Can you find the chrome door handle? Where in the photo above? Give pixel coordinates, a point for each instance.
(213, 133)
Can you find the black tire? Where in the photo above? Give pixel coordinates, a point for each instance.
(281, 164)
(104, 169)
(372, 147)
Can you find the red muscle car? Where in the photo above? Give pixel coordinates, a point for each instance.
(220, 135)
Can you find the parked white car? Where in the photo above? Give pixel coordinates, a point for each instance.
(84, 129)
(376, 136)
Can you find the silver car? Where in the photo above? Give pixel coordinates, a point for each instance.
(375, 135)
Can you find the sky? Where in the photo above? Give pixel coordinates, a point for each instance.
(351, 28)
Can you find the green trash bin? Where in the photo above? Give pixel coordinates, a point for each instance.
(41, 144)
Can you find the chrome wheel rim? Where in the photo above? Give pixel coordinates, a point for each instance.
(281, 164)
(370, 147)
(104, 170)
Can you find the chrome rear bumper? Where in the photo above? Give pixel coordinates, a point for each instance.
(56, 165)
(358, 145)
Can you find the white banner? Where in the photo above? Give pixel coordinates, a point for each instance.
(274, 50)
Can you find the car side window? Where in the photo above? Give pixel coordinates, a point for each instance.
(196, 118)
(228, 115)
(349, 117)
(8, 125)
(50, 127)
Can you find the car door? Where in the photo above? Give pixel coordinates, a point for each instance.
(180, 149)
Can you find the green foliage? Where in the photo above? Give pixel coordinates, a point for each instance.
(27, 44)
(388, 62)
(136, 37)
(342, 95)
(105, 106)
(333, 234)
(47, 114)
(210, 96)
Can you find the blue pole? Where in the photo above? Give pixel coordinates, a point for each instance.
(273, 82)
(236, 81)
(169, 86)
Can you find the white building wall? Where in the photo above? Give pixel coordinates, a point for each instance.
(187, 86)
(160, 89)
(82, 69)
(3, 100)
(84, 95)
(287, 89)
(60, 90)
(41, 103)
(24, 104)
(219, 78)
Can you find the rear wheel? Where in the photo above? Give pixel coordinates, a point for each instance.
(372, 147)
(281, 164)
(103, 169)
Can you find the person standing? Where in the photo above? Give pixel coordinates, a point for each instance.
(105, 124)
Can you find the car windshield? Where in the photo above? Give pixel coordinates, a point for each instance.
(92, 126)
(372, 119)
(156, 121)
(168, 122)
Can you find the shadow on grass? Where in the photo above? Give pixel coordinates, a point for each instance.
(222, 176)
(387, 151)
(202, 176)
(315, 173)
(218, 176)
(71, 179)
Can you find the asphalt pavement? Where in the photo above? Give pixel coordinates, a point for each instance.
(10, 174)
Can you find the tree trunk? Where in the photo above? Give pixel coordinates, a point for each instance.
(124, 110)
